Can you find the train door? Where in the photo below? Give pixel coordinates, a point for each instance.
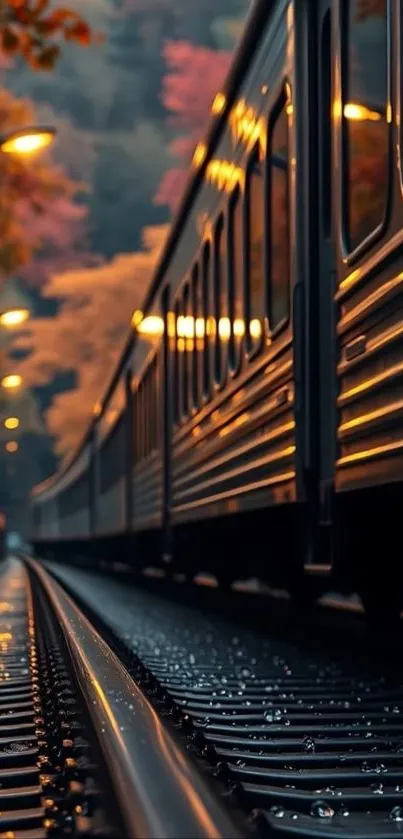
(314, 74)
(326, 279)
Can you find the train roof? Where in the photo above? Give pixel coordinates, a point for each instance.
(258, 15)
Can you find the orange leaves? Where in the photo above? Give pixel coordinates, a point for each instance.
(30, 30)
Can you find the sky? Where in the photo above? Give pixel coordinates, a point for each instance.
(128, 112)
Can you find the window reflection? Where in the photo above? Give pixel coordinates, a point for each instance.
(221, 303)
(279, 251)
(237, 292)
(364, 116)
(255, 252)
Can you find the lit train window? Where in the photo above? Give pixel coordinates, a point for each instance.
(221, 302)
(279, 227)
(365, 125)
(197, 333)
(186, 354)
(176, 370)
(236, 277)
(255, 224)
(207, 317)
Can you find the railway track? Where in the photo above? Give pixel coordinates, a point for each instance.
(82, 751)
(309, 744)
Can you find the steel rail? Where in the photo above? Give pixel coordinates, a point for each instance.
(160, 791)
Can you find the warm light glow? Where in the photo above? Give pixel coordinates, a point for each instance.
(29, 141)
(151, 325)
(200, 153)
(12, 381)
(247, 127)
(11, 446)
(11, 423)
(187, 327)
(97, 409)
(225, 175)
(219, 103)
(14, 317)
(137, 317)
(359, 113)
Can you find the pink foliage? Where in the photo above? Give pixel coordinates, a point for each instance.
(171, 188)
(60, 229)
(194, 76)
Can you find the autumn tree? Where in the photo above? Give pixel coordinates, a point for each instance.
(194, 75)
(39, 214)
(34, 31)
(87, 334)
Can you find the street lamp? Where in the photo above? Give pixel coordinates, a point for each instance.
(13, 317)
(26, 141)
(11, 423)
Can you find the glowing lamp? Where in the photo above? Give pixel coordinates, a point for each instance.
(27, 140)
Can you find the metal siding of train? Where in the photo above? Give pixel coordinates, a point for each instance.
(369, 297)
(235, 450)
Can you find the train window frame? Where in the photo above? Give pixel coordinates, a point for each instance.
(220, 375)
(352, 255)
(252, 351)
(176, 402)
(195, 365)
(236, 201)
(206, 282)
(186, 365)
(279, 107)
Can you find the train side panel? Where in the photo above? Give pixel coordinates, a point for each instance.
(234, 444)
(369, 239)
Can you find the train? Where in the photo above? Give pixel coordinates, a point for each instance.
(253, 426)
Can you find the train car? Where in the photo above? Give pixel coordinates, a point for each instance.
(257, 425)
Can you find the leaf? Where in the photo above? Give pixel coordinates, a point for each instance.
(10, 40)
(46, 59)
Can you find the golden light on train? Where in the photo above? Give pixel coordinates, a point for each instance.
(97, 410)
(137, 317)
(218, 104)
(247, 127)
(225, 175)
(12, 381)
(13, 317)
(187, 328)
(359, 113)
(199, 154)
(11, 422)
(153, 325)
(11, 446)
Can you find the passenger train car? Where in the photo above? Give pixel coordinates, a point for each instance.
(254, 426)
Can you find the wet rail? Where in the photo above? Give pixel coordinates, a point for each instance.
(309, 743)
(82, 751)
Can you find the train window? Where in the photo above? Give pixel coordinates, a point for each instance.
(365, 118)
(221, 301)
(176, 371)
(279, 226)
(207, 317)
(255, 217)
(236, 277)
(197, 323)
(186, 354)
